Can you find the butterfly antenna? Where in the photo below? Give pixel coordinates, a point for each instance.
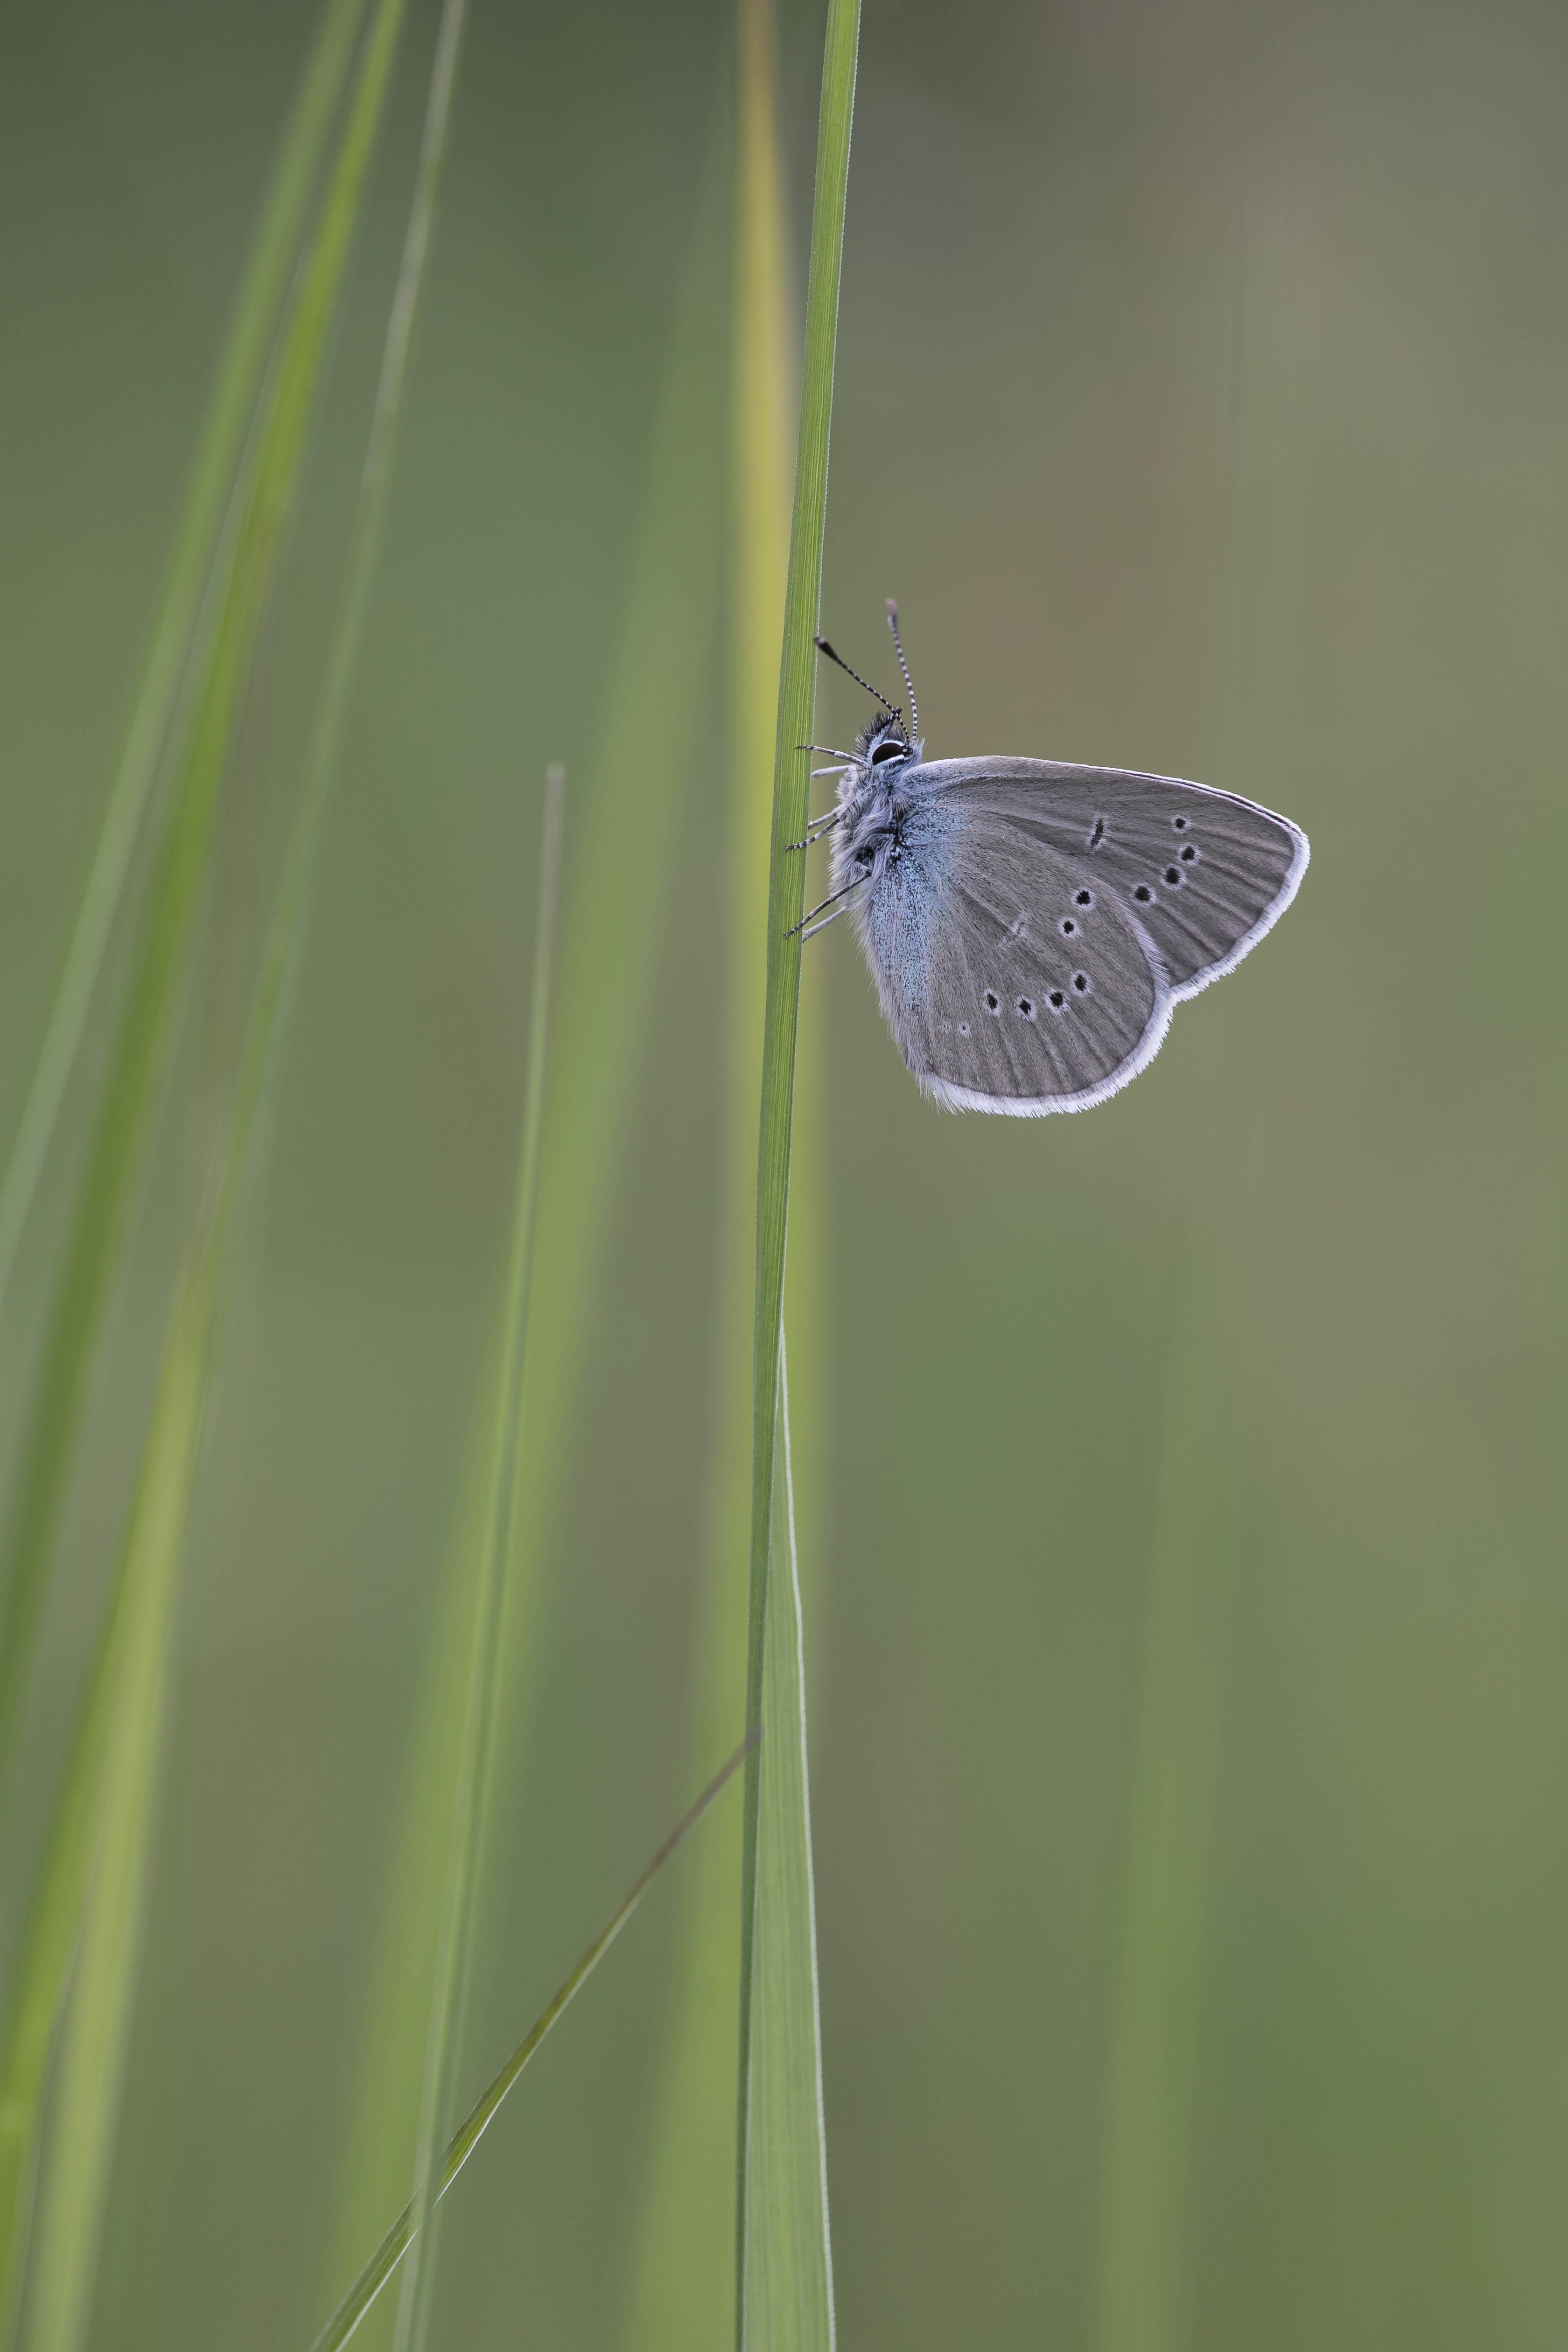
(908, 681)
(824, 648)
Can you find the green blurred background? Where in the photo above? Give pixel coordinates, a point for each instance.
(1203, 389)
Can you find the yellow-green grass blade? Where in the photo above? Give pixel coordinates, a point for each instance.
(454, 1947)
(1143, 2271)
(240, 370)
(134, 1697)
(629, 821)
(466, 2138)
(163, 953)
(144, 1594)
(788, 2267)
(785, 2294)
(682, 2286)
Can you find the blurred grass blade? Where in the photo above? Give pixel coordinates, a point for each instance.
(162, 957)
(134, 1698)
(1156, 1986)
(250, 335)
(456, 1935)
(628, 824)
(682, 2290)
(788, 2265)
(1143, 2290)
(108, 1803)
(783, 2288)
(467, 2137)
(617, 898)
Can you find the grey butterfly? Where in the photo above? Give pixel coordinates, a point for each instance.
(1031, 925)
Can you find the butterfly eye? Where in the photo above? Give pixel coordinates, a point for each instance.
(885, 751)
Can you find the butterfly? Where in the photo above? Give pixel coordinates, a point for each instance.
(1031, 925)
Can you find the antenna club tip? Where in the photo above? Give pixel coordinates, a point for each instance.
(893, 612)
(822, 644)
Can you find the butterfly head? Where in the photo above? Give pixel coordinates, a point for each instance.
(883, 744)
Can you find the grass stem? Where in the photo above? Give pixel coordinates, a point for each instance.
(779, 2098)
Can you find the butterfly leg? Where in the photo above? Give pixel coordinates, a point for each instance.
(832, 898)
(821, 826)
(811, 932)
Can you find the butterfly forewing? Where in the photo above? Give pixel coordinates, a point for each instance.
(1008, 985)
(1204, 874)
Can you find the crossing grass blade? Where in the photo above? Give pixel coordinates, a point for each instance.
(163, 953)
(683, 2287)
(105, 1821)
(455, 1947)
(466, 2138)
(629, 818)
(784, 2295)
(229, 413)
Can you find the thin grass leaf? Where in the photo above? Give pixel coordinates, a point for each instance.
(108, 1806)
(467, 2137)
(682, 2286)
(229, 413)
(785, 2284)
(614, 903)
(456, 1947)
(98, 1225)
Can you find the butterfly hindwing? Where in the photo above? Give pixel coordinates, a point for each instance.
(1010, 984)
(1205, 874)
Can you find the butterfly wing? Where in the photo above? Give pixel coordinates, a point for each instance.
(1005, 993)
(1205, 874)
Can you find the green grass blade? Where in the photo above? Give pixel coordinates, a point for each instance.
(240, 370)
(99, 1225)
(469, 2132)
(615, 894)
(682, 2286)
(456, 1946)
(135, 1698)
(1157, 1979)
(788, 2268)
(117, 1742)
(783, 2289)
